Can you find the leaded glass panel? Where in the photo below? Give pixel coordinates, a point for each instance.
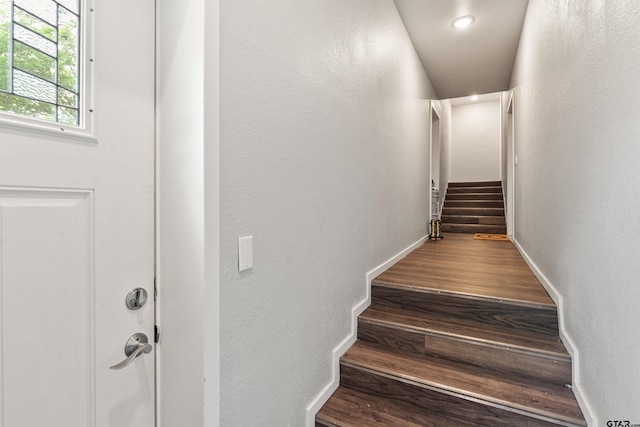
(32, 87)
(35, 24)
(67, 115)
(33, 61)
(28, 107)
(39, 59)
(67, 98)
(72, 5)
(45, 9)
(35, 40)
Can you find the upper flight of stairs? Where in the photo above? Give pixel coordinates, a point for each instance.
(446, 353)
(474, 207)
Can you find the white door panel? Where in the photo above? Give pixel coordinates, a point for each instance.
(77, 234)
(46, 294)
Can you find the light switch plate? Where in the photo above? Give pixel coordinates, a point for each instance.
(245, 253)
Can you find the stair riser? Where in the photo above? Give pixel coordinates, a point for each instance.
(508, 361)
(475, 184)
(482, 312)
(473, 211)
(474, 228)
(484, 220)
(474, 204)
(461, 411)
(496, 358)
(464, 190)
(474, 196)
(398, 340)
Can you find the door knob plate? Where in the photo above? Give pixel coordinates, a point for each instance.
(135, 341)
(134, 347)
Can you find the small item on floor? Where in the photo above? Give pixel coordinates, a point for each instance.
(499, 237)
(436, 230)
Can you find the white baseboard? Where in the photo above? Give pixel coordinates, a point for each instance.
(327, 391)
(558, 298)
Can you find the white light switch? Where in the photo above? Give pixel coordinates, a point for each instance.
(245, 253)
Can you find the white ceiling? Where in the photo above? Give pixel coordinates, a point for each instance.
(487, 97)
(475, 60)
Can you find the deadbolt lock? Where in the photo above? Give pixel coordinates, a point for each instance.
(136, 298)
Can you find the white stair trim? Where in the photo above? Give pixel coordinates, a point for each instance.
(321, 398)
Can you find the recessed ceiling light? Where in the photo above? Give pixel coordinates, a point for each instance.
(462, 22)
(474, 97)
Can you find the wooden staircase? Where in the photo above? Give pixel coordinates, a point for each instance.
(459, 333)
(474, 207)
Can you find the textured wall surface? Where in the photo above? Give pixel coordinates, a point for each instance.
(324, 160)
(577, 140)
(475, 142)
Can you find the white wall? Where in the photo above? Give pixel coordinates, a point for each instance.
(211, 249)
(507, 163)
(436, 145)
(436, 157)
(504, 140)
(445, 145)
(180, 210)
(187, 210)
(577, 132)
(475, 142)
(324, 155)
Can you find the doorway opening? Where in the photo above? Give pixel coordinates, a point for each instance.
(509, 182)
(435, 148)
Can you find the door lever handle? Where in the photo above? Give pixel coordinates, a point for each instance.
(135, 346)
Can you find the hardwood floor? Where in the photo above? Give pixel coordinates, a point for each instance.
(475, 268)
(459, 333)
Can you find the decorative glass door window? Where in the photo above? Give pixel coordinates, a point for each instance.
(40, 59)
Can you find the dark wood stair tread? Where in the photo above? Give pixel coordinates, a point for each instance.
(352, 408)
(459, 264)
(547, 402)
(460, 328)
(497, 204)
(349, 407)
(464, 190)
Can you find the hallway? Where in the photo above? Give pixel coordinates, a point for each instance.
(324, 153)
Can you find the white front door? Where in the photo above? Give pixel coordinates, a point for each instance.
(76, 235)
